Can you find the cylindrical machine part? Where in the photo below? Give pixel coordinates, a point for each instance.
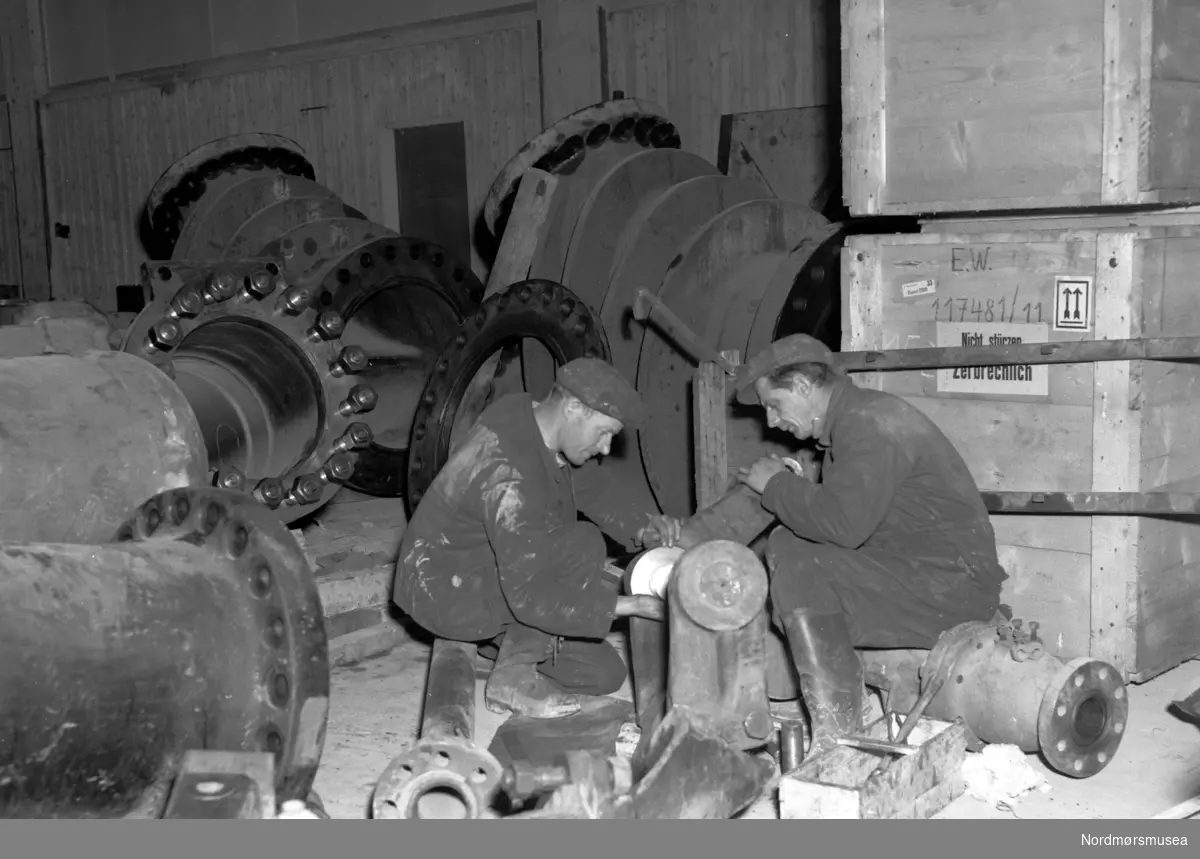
(717, 623)
(85, 439)
(202, 630)
(1073, 713)
(301, 332)
(444, 775)
(650, 572)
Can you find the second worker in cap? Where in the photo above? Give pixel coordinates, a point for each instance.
(496, 553)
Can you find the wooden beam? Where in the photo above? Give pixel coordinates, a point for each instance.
(708, 413)
(25, 82)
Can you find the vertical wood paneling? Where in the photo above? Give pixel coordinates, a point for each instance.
(701, 59)
(10, 236)
(103, 153)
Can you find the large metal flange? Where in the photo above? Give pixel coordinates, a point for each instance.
(203, 169)
(1082, 719)
(532, 309)
(281, 332)
(463, 778)
(285, 653)
(348, 288)
(561, 148)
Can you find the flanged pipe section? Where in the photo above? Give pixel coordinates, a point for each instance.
(1011, 691)
(262, 375)
(390, 303)
(200, 629)
(538, 310)
(85, 439)
(444, 775)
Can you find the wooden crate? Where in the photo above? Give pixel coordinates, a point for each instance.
(1019, 104)
(1123, 589)
(841, 784)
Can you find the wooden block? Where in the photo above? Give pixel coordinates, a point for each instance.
(1018, 104)
(1122, 589)
(223, 784)
(843, 784)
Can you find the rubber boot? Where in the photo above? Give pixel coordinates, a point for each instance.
(515, 684)
(831, 674)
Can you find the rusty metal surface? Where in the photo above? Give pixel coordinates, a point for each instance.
(1077, 352)
(998, 678)
(200, 629)
(85, 439)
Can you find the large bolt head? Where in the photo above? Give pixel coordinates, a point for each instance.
(222, 286)
(358, 435)
(260, 284)
(329, 325)
(307, 489)
(351, 360)
(339, 468)
(293, 300)
(188, 303)
(270, 492)
(165, 335)
(362, 398)
(229, 477)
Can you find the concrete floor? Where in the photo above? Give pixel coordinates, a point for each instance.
(376, 707)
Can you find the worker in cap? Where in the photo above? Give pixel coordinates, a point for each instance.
(496, 552)
(889, 547)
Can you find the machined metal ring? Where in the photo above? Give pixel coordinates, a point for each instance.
(462, 778)
(287, 717)
(270, 369)
(535, 309)
(1082, 718)
(350, 288)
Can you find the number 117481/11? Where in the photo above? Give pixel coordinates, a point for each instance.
(1007, 309)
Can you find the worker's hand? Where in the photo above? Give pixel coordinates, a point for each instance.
(649, 607)
(662, 531)
(758, 475)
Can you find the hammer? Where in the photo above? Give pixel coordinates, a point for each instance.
(644, 303)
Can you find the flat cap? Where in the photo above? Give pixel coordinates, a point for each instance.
(793, 349)
(599, 386)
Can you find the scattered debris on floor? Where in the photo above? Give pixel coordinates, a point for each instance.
(1001, 774)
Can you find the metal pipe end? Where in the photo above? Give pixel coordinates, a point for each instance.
(720, 585)
(442, 779)
(1082, 717)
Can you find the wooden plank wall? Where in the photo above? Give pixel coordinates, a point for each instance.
(106, 145)
(702, 59)
(10, 233)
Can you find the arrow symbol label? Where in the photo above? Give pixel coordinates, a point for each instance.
(1072, 303)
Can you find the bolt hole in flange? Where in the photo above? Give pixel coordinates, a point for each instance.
(254, 415)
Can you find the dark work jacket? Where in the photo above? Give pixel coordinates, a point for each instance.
(893, 484)
(497, 536)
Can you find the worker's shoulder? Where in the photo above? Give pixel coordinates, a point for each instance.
(887, 413)
(507, 412)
